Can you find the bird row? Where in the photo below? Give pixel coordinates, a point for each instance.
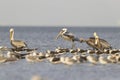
(65, 56)
(60, 57)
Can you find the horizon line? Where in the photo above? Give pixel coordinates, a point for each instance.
(51, 26)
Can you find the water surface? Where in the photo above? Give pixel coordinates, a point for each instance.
(43, 38)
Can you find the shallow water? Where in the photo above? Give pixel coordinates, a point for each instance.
(43, 39)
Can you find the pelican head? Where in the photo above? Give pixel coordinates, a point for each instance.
(64, 30)
(95, 34)
(11, 34)
(11, 30)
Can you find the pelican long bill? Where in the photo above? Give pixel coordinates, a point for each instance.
(58, 35)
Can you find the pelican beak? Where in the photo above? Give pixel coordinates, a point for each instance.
(58, 35)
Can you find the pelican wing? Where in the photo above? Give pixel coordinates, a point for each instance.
(104, 44)
(70, 35)
(91, 43)
(18, 43)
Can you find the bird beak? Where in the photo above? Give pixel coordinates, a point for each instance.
(58, 35)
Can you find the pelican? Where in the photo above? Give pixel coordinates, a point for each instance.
(67, 36)
(17, 44)
(97, 41)
(103, 44)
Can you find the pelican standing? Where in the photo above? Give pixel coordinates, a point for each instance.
(103, 44)
(97, 41)
(67, 36)
(17, 44)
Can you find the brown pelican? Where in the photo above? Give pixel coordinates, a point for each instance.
(67, 36)
(17, 44)
(97, 41)
(103, 44)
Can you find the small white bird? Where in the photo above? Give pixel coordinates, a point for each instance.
(54, 60)
(69, 61)
(11, 56)
(62, 59)
(117, 56)
(31, 58)
(102, 60)
(76, 58)
(111, 58)
(92, 59)
(2, 58)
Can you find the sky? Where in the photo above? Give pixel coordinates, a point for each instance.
(60, 12)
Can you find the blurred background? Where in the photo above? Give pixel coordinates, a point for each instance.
(60, 13)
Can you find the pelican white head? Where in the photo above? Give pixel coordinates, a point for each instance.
(95, 34)
(11, 30)
(64, 29)
(11, 34)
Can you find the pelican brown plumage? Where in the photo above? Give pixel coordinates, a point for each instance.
(17, 44)
(103, 44)
(97, 42)
(67, 36)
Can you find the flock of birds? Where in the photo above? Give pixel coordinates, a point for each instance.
(102, 52)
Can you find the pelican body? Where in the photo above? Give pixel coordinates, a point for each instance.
(103, 44)
(67, 36)
(17, 44)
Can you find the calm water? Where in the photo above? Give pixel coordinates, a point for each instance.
(44, 39)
